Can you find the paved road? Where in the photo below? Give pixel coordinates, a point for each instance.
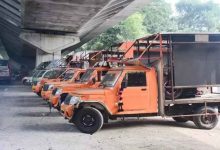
(26, 124)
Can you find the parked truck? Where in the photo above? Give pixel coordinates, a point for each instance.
(5, 72)
(137, 89)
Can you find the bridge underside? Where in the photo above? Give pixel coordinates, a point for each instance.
(30, 25)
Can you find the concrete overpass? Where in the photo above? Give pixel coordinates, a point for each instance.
(43, 29)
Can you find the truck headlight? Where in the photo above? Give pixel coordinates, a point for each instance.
(58, 92)
(50, 87)
(74, 100)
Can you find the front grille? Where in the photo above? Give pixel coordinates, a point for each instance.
(54, 91)
(45, 88)
(67, 100)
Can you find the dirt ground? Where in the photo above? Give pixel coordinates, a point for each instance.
(27, 124)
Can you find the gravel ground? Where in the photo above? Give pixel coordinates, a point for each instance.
(27, 124)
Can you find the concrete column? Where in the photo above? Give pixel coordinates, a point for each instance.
(41, 56)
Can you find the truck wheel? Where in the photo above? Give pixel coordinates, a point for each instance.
(180, 119)
(88, 120)
(206, 121)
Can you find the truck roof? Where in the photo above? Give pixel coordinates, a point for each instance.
(135, 67)
(187, 37)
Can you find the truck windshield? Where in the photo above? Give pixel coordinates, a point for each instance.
(43, 65)
(110, 78)
(40, 74)
(53, 74)
(35, 74)
(87, 75)
(68, 75)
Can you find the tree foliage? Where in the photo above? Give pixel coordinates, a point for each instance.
(197, 16)
(158, 16)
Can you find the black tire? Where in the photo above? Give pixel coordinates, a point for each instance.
(88, 120)
(206, 122)
(180, 119)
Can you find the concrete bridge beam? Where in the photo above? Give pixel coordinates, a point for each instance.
(49, 43)
(49, 46)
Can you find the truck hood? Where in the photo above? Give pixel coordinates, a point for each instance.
(71, 86)
(89, 91)
(56, 83)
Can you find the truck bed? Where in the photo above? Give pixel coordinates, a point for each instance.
(199, 99)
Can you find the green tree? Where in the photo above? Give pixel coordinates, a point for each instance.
(129, 29)
(133, 27)
(158, 17)
(104, 40)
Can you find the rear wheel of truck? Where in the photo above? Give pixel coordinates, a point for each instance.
(180, 119)
(206, 121)
(88, 120)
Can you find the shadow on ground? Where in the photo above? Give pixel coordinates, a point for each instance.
(51, 127)
(38, 114)
(67, 127)
(146, 123)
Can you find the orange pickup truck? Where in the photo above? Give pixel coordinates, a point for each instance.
(49, 75)
(137, 89)
(91, 78)
(68, 76)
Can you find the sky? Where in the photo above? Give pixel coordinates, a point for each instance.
(173, 2)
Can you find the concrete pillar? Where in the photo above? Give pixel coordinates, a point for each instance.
(41, 56)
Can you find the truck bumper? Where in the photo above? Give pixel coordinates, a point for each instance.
(54, 100)
(33, 88)
(67, 110)
(43, 94)
(37, 89)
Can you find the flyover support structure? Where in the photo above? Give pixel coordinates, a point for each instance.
(49, 46)
(41, 56)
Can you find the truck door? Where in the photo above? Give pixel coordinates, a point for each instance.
(134, 91)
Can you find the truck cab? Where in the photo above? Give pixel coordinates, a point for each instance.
(124, 91)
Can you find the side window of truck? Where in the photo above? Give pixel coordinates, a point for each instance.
(136, 79)
(101, 74)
